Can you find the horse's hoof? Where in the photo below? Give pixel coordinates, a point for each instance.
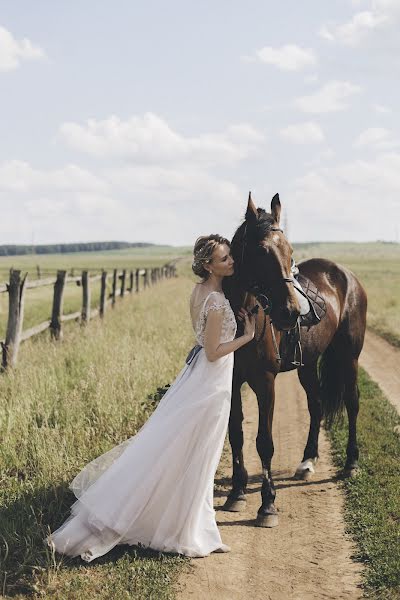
(270, 520)
(305, 475)
(234, 504)
(305, 470)
(350, 471)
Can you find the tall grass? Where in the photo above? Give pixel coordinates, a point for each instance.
(66, 404)
(373, 496)
(38, 301)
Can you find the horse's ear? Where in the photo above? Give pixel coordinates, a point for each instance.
(276, 208)
(251, 211)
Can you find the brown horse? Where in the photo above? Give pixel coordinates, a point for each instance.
(262, 257)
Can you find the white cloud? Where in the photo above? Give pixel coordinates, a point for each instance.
(19, 176)
(156, 184)
(149, 139)
(321, 158)
(381, 109)
(147, 202)
(380, 15)
(376, 137)
(333, 96)
(340, 201)
(287, 58)
(353, 32)
(311, 78)
(303, 133)
(13, 52)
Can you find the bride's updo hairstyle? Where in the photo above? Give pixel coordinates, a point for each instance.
(203, 250)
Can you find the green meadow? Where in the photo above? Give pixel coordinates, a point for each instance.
(68, 402)
(38, 301)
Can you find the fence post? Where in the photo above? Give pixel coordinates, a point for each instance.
(131, 282)
(137, 277)
(103, 293)
(145, 278)
(85, 316)
(56, 313)
(16, 290)
(123, 279)
(114, 287)
(39, 272)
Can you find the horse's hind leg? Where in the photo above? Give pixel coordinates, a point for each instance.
(308, 377)
(236, 500)
(351, 400)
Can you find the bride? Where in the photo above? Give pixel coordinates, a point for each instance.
(156, 488)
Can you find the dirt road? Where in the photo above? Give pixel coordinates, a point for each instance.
(308, 557)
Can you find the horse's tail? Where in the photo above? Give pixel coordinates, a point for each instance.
(332, 385)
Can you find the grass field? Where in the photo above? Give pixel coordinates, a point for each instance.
(66, 404)
(69, 402)
(38, 301)
(95, 261)
(376, 264)
(373, 496)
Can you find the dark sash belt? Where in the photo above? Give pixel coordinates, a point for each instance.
(193, 353)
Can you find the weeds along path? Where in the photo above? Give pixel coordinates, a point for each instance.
(381, 360)
(308, 556)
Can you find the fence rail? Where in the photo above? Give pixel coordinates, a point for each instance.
(123, 281)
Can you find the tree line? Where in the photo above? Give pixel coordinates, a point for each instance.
(20, 249)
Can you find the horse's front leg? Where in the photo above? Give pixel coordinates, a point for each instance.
(236, 500)
(263, 385)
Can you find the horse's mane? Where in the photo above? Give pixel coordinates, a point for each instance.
(263, 224)
(257, 228)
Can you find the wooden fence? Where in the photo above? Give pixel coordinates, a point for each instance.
(123, 281)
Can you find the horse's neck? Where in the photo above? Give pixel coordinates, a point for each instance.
(234, 292)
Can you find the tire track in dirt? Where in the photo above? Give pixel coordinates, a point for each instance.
(308, 556)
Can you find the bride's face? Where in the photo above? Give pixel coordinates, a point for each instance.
(222, 262)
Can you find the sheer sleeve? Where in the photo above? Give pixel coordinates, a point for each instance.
(215, 302)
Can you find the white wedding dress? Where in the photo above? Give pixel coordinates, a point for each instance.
(156, 488)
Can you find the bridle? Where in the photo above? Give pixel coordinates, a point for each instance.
(263, 299)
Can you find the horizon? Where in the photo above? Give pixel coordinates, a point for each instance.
(139, 245)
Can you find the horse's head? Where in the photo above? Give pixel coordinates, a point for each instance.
(262, 256)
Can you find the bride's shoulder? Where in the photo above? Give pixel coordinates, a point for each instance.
(199, 295)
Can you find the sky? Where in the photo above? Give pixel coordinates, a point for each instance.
(151, 121)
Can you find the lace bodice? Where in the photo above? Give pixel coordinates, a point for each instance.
(216, 301)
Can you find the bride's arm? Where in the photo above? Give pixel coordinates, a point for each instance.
(212, 334)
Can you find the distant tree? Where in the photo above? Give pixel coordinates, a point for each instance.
(17, 249)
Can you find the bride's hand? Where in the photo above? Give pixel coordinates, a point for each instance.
(249, 326)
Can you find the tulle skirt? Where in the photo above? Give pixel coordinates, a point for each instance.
(156, 488)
